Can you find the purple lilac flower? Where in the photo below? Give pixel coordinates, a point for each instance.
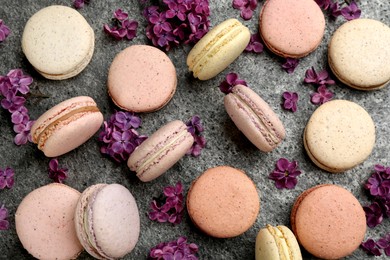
(290, 64)
(170, 206)
(246, 7)
(4, 31)
(384, 243)
(4, 224)
(255, 44)
(351, 11)
(55, 173)
(119, 137)
(122, 26)
(322, 78)
(23, 132)
(324, 4)
(176, 249)
(7, 178)
(230, 81)
(370, 247)
(196, 128)
(78, 4)
(20, 81)
(285, 174)
(290, 100)
(321, 96)
(374, 214)
(334, 10)
(379, 182)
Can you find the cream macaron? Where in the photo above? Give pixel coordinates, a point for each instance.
(58, 42)
(359, 54)
(218, 49)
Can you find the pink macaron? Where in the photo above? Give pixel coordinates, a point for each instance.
(255, 118)
(45, 222)
(161, 151)
(141, 78)
(291, 28)
(66, 126)
(107, 221)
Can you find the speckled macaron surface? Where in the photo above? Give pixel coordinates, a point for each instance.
(339, 135)
(328, 221)
(223, 202)
(58, 42)
(45, 222)
(359, 54)
(291, 28)
(141, 78)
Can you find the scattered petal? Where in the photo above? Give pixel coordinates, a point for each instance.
(290, 100)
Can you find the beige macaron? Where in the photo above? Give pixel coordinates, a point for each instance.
(339, 135)
(58, 42)
(359, 54)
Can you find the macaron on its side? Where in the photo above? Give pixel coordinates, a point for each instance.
(161, 151)
(141, 78)
(358, 54)
(66, 125)
(218, 49)
(291, 28)
(328, 221)
(58, 42)
(255, 118)
(45, 222)
(223, 202)
(339, 135)
(277, 243)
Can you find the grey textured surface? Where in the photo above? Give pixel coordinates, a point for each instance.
(226, 145)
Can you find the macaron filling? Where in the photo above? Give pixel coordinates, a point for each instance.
(284, 248)
(259, 119)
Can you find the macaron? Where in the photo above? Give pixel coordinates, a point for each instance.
(58, 42)
(328, 221)
(359, 54)
(339, 135)
(160, 151)
(255, 118)
(45, 222)
(291, 28)
(223, 202)
(107, 221)
(218, 48)
(277, 243)
(66, 126)
(141, 78)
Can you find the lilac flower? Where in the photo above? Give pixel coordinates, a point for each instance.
(78, 4)
(12, 102)
(130, 28)
(384, 171)
(324, 4)
(23, 132)
(122, 142)
(322, 78)
(7, 178)
(5, 85)
(246, 6)
(4, 224)
(374, 214)
(176, 249)
(290, 100)
(255, 44)
(176, 9)
(19, 116)
(122, 27)
(174, 194)
(379, 182)
(55, 173)
(120, 15)
(285, 174)
(231, 80)
(159, 213)
(126, 120)
(149, 11)
(290, 65)
(160, 23)
(370, 247)
(321, 96)
(384, 243)
(334, 10)
(4, 31)
(195, 127)
(351, 11)
(20, 81)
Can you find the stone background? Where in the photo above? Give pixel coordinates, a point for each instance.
(226, 145)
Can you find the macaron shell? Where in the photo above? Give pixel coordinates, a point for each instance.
(151, 149)
(339, 135)
(57, 40)
(141, 78)
(291, 28)
(255, 118)
(292, 242)
(45, 222)
(328, 221)
(359, 54)
(223, 202)
(218, 49)
(115, 220)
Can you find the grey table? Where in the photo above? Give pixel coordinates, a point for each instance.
(226, 145)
